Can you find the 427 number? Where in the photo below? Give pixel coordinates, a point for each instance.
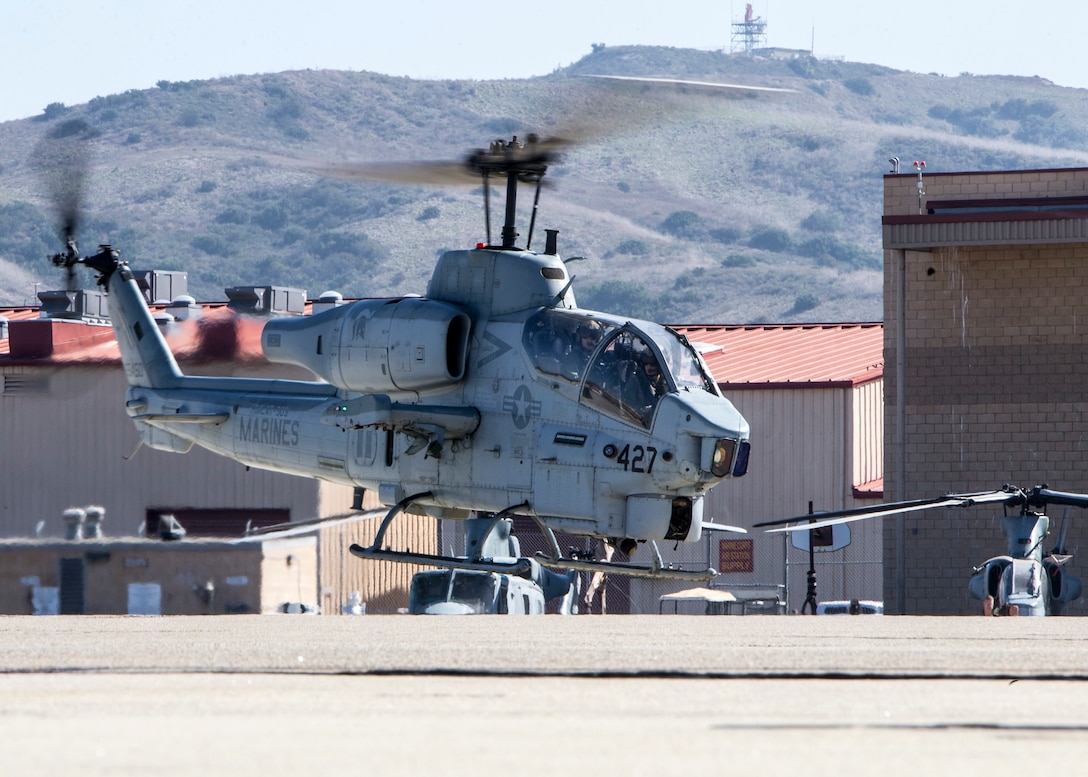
(637, 458)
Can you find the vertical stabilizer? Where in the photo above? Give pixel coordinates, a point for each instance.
(147, 358)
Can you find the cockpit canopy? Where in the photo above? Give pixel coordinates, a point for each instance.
(623, 368)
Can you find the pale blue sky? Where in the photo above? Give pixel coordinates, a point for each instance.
(72, 50)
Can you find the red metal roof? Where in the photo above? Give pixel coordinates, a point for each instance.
(219, 334)
(765, 355)
(739, 356)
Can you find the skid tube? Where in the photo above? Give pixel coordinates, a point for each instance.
(521, 567)
(656, 570)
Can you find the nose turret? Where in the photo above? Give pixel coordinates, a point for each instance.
(710, 433)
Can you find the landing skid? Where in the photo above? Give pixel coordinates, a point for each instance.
(655, 570)
(521, 566)
(631, 570)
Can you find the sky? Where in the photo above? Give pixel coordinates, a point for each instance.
(70, 51)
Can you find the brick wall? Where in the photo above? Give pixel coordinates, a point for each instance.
(996, 364)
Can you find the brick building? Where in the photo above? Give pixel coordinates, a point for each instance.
(985, 309)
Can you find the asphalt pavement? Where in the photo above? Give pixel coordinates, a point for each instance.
(662, 695)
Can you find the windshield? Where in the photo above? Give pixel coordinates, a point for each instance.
(562, 344)
(623, 370)
(428, 589)
(476, 590)
(626, 378)
(682, 362)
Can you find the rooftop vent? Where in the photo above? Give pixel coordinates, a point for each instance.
(327, 301)
(84, 523)
(79, 305)
(267, 300)
(159, 285)
(92, 522)
(164, 321)
(73, 523)
(3, 328)
(183, 308)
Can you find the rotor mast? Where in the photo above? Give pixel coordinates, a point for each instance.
(519, 163)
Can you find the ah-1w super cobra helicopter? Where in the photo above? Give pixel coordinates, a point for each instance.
(1024, 581)
(475, 397)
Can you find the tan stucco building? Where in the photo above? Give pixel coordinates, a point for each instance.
(138, 576)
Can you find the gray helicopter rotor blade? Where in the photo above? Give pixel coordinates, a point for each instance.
(708, 85)
(292, 528)
(1041, 496)
(819, 524)
(497, 160)
(598, 116)
(412, 173)
(709, 526)
(63, 166)
(805, 522)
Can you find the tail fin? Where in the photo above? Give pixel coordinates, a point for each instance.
(147, 358)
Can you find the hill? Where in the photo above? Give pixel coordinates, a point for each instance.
(688, 207)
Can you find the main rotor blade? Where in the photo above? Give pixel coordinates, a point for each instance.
(709, 85)
(291, 528)
(589, 115)
(1041, 496)
(710, 526)
(412, 173)
(805, 522)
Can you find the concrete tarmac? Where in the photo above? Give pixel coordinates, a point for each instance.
(661, 695)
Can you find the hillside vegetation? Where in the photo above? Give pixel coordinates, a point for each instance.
(688, 206)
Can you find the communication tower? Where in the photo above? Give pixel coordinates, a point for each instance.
(750, 34)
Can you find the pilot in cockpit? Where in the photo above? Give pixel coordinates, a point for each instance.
(645, 385)
(585, 341)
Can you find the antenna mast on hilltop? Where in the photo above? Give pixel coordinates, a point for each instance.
(750, 34)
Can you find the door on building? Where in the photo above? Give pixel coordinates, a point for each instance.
(73, 580)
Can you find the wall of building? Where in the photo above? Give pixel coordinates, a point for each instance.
(867, 432)
(993, 373)
(382, 585)
(193, 577)
(68, 442)
(809, 445)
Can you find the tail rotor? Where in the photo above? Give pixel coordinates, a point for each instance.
(63, 164)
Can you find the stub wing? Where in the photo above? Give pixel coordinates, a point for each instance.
(428, 425)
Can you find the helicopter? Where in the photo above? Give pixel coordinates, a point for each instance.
(492, 393)
(1023, 581)
(462, 588)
